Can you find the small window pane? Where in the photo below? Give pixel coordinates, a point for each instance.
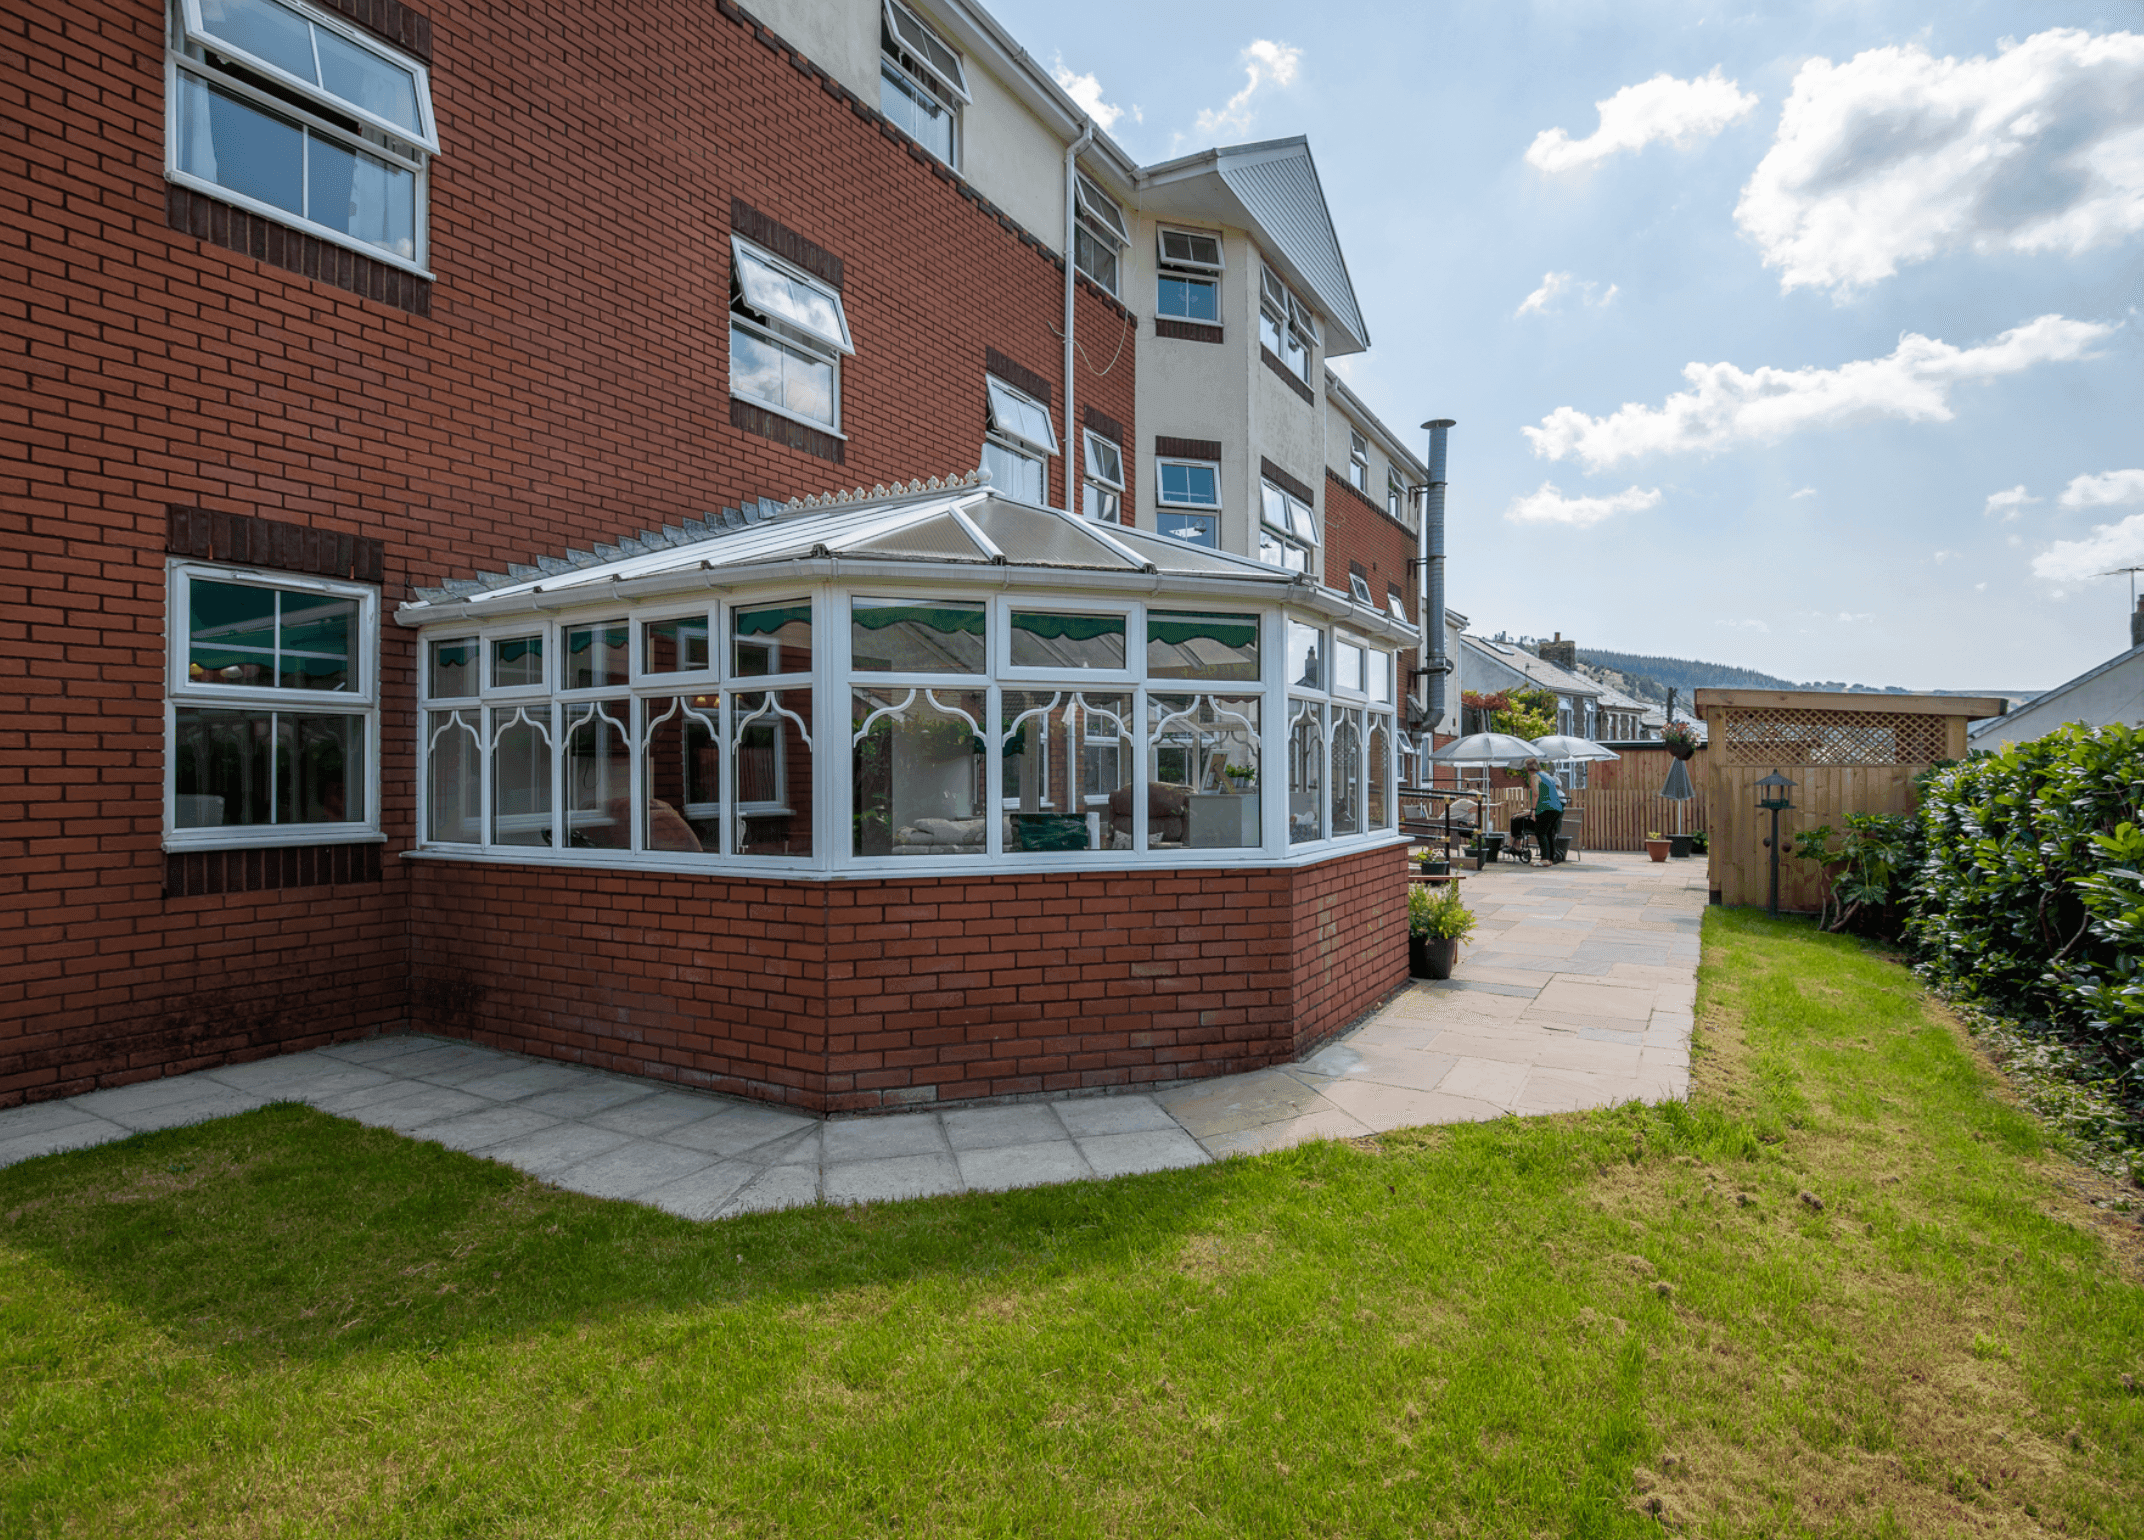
(1182, 246)
(230, 634)
(598, 773)
(1306, 523)
(1105, 462)
(1187, 299)
(895, 636)
(453, 669)
(1020, 416)
(1273, 506)
(237, 145)
(223, 769)
(1347, 669)
(1098, 502)
(772, 639)
(916, 112)
(595, 656)
(755, 366)
(1269, 332)
(271, 33)
(315, 635)
(675, 646)
(1378, 682)
(1013, 473)
(776, 294)
(454, 784)
(1191, 528)
(1042, 640)
(1347, 773)
(362, 196)
(773, 772)
(1063, 759)
(1096, 257)
(1306, 656)
(516, 662)
(1190, 484)
(320, 764)
(1204, 754)
(917, 762)
(1183, 644)
(521, 776)
(364, 79)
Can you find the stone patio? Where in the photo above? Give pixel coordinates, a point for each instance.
(1577, 992)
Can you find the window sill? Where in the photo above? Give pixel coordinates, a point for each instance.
(179, 841)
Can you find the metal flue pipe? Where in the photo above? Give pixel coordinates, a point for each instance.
(1432, 610)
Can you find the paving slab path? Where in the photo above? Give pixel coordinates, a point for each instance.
(1577, 991)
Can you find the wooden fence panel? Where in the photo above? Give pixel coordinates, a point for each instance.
(1623, 804)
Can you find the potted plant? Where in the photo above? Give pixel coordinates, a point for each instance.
(1437, 921)
(1680, 739)
(1656, 847)
(1241, 777)
(1700, 843)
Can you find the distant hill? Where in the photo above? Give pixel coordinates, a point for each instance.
(1683, 675)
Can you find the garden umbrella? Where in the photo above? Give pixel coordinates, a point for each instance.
(1488, 749)
(1564, 746)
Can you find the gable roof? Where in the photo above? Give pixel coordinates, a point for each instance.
(1271, 189)
(1988, 725)
(1547, 675)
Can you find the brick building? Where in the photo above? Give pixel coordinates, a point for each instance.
(329, 314)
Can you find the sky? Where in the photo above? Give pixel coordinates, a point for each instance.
(1801, 337)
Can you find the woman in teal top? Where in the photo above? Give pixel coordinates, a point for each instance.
(1548, 808)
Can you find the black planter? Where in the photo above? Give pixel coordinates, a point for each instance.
(1492, 846)
(1436, 868)
(1678, 845)
(1430, 958)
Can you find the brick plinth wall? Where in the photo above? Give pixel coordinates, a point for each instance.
(859, 996)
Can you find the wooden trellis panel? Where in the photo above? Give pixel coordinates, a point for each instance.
(1845, 753)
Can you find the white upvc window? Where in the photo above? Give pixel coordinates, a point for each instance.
(788, 333)
(1187, 284)
(1288, 529)
(1020, 442)
(297, 115)
(1358, 587)
(923, 83)
(272, 709)
(1187, 495)
(1358, 461)
(1286, 326)
(1098, 233)
(1103, 495)
(1396, 496)
(1396, 605)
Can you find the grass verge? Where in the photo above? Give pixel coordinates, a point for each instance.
(1591, 1325)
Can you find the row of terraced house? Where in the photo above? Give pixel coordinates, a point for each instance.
(753, 548)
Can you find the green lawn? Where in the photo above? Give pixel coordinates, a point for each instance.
(283, 1323)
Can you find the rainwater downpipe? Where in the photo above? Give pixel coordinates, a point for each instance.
(1433, 568)
(1071, 216)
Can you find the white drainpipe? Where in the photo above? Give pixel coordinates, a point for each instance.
(1071, 223)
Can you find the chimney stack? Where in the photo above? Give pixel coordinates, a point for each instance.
(1562, 653)
(2136, 626)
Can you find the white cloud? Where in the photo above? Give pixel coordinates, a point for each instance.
(1727, 405)
(1087, 91)
(1744, 625)
(2104, 491)
(1980, 588)
(1895, 156)
(1264, 63)
(2009, 504)
(1804, 492)
(2108, 546)
(1550, 506)
(1555, 285)
(1944, 556)
(1679, 111)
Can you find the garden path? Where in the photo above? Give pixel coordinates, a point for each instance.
(1577, 991)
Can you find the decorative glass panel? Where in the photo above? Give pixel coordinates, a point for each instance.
(771, 730)
(1306, 657)
(1185, 644)
(517, 662)
(453, 669)
(1306, 772)
(454, 783)
(1042, 639)
(598, 774)
(1203, 756)
(771, 639)
(521, 775)
(1347, 772)
(1064, 758)
(1380, 813)
(898, 636)
(681, 775)
(675, 646)
(595, 656)
(917, 763)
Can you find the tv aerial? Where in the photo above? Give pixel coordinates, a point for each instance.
(2117, 572)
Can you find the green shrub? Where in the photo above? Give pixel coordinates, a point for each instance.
(2028, 893)
(1438, 912)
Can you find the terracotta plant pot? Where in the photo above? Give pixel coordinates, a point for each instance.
(1430, 958)
(1657, 849)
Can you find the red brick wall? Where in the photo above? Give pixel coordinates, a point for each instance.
(566, 385)
(852, 996)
